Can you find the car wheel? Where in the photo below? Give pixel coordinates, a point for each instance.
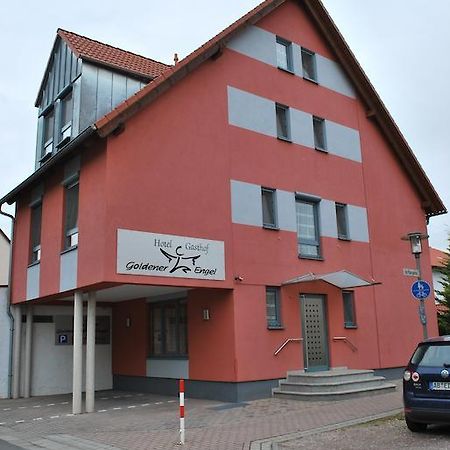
(415, 427)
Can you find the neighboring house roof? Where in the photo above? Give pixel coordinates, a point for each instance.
(3, 235)
(437, 257)
(431, 203)
(106, 55)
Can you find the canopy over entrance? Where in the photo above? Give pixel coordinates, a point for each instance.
(342, 279)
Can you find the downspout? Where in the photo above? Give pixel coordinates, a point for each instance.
(8, 299)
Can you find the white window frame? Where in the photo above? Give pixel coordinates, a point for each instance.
(289, 59)
(310, 54)
(286, 114)
(273, 196)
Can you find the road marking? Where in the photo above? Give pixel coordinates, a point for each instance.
(36, 406)
(132, 406)
(104, 398)
(6, 409)
(2, 423)
(102, 410)
(126, 396)
(20, 421)
(70, 415)
(171, 401)
(51, 404)
(158, 403)
(145, 404)
(116, 396)
(38, 418)
(22, 407)
(117, 408)
(64, 403)
(54, 417)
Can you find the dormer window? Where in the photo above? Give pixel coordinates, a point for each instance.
(66, 117)
(49, 127)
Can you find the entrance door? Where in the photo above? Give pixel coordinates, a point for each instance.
(315, 338)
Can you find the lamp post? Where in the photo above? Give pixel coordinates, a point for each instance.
(415, 239)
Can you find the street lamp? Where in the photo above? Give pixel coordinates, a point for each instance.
(415, 239)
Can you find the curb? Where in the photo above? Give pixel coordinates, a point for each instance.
(274, 443)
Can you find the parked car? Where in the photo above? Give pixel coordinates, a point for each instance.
(426, 384)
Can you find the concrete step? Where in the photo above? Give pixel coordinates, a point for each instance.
(337, 395)
(329, 375)
(333, 385)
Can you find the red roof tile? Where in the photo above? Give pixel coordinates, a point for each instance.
(110, 56)
(437, 257)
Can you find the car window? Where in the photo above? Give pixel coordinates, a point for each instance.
(431, 356)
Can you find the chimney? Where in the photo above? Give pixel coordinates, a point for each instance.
(175, 58)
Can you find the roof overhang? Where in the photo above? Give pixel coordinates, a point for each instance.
(342, 279)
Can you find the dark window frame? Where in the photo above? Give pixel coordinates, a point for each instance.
(348, 304)
(274, 324)
(319, 127)
(35, 236)
(47, 145)
(343, 213)
(289, 57)
(284, 110)
(70, 235)
(163, 306)
(273, 197)
(65, 129)
(305, 53)
(315, 203)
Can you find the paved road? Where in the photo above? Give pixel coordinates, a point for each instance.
(385, 434)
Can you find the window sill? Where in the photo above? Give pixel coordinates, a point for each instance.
(284, 139)
(346, 239)
(69, 249)
(280, 327)
(271, 227)
(45, 158)
(322, 150)
(314, 258)
(286, 70)
(34, 263)
(311, 80)
(350, 327)
(181, 357)
(62, 143)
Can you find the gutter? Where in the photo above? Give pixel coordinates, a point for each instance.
(8, 299)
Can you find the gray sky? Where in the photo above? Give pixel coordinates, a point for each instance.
(402, 45)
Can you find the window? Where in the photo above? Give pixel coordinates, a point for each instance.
(320, 142)
(349, 309)
(268, 208)
(342, 222)
(66, 117)
(49, 124)
(284, 54)
(307, 228)
(36, 219)
(168, 329)
(309, 65)
(282, 113)
(71, 215)
(273, 314)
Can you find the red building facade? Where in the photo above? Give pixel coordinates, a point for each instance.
(253, 195)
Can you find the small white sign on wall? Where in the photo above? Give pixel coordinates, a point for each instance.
(166, 255)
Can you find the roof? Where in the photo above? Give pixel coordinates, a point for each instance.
(431, 203)
(437, 257)
(2, 234)
(95, 51)
(342, 279)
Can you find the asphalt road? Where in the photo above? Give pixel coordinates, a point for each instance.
(384, 434)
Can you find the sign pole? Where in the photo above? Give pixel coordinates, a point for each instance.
(182, 431)
(422, 311)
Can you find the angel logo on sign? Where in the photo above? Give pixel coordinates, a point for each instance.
(179, 258)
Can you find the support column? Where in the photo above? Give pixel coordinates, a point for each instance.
(77, 352)
(90, 353)
(28, 343)
(17, 345)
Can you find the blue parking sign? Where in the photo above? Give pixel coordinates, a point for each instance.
(420, 289)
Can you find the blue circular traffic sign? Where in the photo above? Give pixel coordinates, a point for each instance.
(420, 289)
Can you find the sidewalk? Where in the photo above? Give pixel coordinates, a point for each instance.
(144, 421)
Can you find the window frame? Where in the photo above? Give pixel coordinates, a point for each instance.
(349, 297)
(289, 56)
(164, 305)
(70, 235)
(63, 127)
(312, 55)
(319, 124)
(273, 192)
(315, 202)
(280, 107)
(49, 143)
(342, 207)
(35, 250)
(276, 324)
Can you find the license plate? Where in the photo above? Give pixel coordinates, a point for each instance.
(439, 386)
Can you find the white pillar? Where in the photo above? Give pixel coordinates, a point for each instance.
(28, 343)
(90, 353)
(77, 352)
(16, 351)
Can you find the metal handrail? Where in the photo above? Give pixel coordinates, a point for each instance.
(286, 342)
(347, 341)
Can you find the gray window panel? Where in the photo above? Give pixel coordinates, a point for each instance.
(358, 224)
(268, 201)
(273, 310)
(343, 141)
(320, 141)
(282, 116)
(307, 228)
(33, 281)
(284, 54)
(333, 77)
(246, 208)
(349, 309)
(285, 210)
(309, 65)
(342, 221)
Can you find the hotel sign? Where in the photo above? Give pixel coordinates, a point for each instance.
(166, 255)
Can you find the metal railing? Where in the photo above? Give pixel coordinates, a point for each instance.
(347, 341)
(286, 342)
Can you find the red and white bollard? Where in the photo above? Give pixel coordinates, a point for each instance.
(182, 433)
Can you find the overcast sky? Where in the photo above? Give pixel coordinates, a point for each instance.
(402, 45)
